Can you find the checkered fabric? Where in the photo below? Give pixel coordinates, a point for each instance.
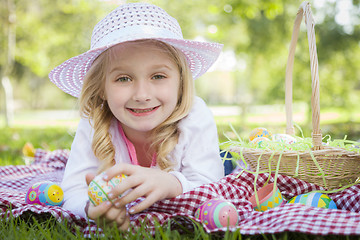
(180, 211)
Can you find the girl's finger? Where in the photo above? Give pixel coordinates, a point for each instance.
(121, 218)
(116, 202)
(135, 193)
(115, 213)
(131, 182)
(95, 212)
(146, 203)
(117, 169)
(126, 224)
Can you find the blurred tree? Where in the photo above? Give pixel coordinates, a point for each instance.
(49, 32)
(7, 63)
(260, 33)
(339, 57)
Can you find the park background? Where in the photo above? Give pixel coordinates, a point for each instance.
(245, 88)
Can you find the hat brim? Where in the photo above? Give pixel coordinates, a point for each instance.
(69, 75)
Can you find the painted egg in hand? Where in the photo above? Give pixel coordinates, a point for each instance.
(259, 132)
(99, 188)
(45, 193)
(217, 213)
(314, 199)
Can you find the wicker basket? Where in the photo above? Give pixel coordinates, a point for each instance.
(325, 166)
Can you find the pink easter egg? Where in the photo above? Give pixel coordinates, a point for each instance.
(99, 188)
(45, 194)
(217, 213)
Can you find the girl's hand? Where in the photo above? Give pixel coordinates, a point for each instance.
(106, 213)
(153, 184)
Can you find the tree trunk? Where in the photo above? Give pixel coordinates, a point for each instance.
(9, 100)
(5, 81)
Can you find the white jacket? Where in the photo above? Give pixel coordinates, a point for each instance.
(196, 154)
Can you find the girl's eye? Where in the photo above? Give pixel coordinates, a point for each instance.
(158, 77)
(123, 79)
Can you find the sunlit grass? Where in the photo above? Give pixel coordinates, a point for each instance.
(12, 140)
(47, 227)
(58, 135)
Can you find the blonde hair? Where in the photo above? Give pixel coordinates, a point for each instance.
(163, 138)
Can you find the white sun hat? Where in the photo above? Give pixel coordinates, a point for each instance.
(131, 22)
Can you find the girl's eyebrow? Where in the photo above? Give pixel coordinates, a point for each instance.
(162, 66)
(114, 69)
(156, 66)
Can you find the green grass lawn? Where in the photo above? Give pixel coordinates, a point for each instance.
(12, 141)
(60, 135)
(29, 227)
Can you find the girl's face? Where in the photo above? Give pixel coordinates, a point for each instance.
(141, 86)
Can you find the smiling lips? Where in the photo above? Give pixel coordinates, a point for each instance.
(142, 112)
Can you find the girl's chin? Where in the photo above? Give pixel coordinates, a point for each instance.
(140, 128)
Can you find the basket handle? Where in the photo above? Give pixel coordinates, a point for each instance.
(305, 9)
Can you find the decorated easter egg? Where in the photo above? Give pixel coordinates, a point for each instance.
(284, 138)
(314, 199)
(217, 213)
(259, 132)
(259, 140)
(45, 193)
(267, 198)
(99, 188)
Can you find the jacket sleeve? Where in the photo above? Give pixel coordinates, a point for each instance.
(81, 161)
(197, 153)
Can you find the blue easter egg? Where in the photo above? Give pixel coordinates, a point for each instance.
(314, 199)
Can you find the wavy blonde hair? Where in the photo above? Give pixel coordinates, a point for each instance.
(94, 107)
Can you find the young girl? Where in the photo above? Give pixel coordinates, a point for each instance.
(140, 116)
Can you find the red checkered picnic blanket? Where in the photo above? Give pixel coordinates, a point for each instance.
(180, 211)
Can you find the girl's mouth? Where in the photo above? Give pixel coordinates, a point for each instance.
(142, 111)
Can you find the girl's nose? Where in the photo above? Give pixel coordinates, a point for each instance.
(142, 91)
